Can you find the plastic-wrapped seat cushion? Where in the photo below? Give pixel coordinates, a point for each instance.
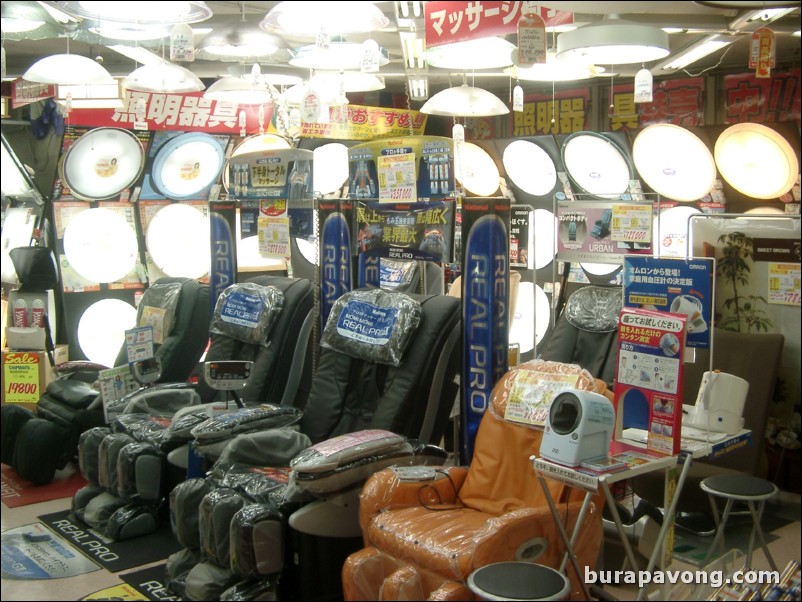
(207, 580)
(257, 541)
(373, 325)
(81, 498)
(177, 568)
(100, 508)
(260, 589)
(88, 451)
(216, 511)
(132, 520)
(271, 447)
(139, 473)
(108, 452)
(185, 499)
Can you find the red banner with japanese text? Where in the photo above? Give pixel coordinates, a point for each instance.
(448, 22)
(566, 112)
(762, 100)
(676, 101)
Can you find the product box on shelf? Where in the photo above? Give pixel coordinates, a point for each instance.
(26, 374)
(26, 310)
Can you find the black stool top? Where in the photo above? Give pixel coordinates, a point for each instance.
(739, 485)
(518, 581)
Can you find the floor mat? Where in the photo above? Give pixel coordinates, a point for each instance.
(33, 552)
(149, 582)
(692, 548)
(17, 492)
(114, 556)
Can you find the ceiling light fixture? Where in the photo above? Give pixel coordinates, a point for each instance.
(696, 51)
(239, 40)
(162, 13)
(309, 18)
(613, 41)
(67, 69)
(553, 70)
(418, 87)
(163, 77)
(27, 21)
(483, 53)
(338, 55)
(464, 101)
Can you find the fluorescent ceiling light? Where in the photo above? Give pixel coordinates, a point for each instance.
(239, 40)
(464, 101)
(310, 18)
(484, 53)
(552, 70)
(695, 52)
(67, 69)
(418, 87)
(165, 12)
(338, 55)
(414, 49)
(140, 55)
(613, 42)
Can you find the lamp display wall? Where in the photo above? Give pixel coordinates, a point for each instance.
(101, 329)
(596, 165)
(476, 170)
(177, 239)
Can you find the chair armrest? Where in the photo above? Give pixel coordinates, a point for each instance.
(384, 491)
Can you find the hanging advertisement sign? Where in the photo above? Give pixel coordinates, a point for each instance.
(402, 169)
(485, 309)
(335, 217)
(565, 112)
(24, 92)
(679, 286)
(676, 101)
(223, 239)
(448, 22)
(761, 52)
(357, 122)
(601, 232)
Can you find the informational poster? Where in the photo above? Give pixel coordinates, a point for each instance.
(603, 232)
(34, 552)
(649, 374)
(396, 169)
(21, 371)
(139, 343)
(784, 283)
(335, 253)
(682, 286)
(520, 235)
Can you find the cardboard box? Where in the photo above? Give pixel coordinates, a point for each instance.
(30, 338)
(26, 374)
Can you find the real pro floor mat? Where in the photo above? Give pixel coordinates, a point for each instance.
(149, 582)
(16, 491)
(114, 556)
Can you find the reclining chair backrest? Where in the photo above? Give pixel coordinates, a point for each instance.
(413, 399)
(586, 332)
(186, 302)
(500, 477)
(277, 367)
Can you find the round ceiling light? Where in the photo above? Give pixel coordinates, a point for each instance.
(101, 330)
(330, 167)
(100, 245)
(756, 160)
(674, 162)
(296, 18)
(187, 164)
(163, 77)
(475, 169)
(255, 143)
(464, 101)
(483, 53)
(530, 168)
(553, 70)
(66, 69)
(613, 42)
(160, 13)
(596, 165)
(178, 241)
(102, 163)
(670, 231)
(338, 55)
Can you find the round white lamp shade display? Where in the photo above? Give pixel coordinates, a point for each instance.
(674, 162)
(596, 165)
(475, 169)
(756, 160)
(186, 165)
(764, 211)
(100, 245)
(102, 163)
(670, 231)
(532, 316)
(529, 167)
(256, 143)
(545, 225)
(178, 241)
(330, 167)
(101, 329)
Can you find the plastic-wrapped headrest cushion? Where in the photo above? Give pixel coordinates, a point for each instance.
(247, 311)
(594, 308)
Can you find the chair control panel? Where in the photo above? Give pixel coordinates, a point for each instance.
(230, 375)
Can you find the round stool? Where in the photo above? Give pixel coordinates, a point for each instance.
(742, 488)
(518, 581)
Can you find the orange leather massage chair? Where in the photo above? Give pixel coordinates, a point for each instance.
(424, 538)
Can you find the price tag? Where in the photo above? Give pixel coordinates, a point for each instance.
(531, 39)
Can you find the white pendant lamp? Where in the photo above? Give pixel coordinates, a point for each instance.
(169, 12)
(163, 77)
(67, 69)
(464, 101)
(309, 18)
